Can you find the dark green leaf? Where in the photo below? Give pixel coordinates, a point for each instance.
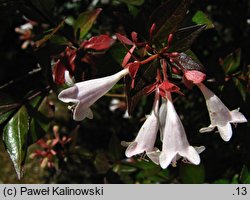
(167, 18)
(124, 168)
(145, 76)
(38, 10)
(115, 147)
(235, 179)
(245, 175)
(44, 5)
(48, 36)
(85, 21)
(221, 181)
(133, 2)
(15, 138)
(6, 103)
(232, 62)
(189, 64)
(7, 106)
(41, 121)
(5, 116)
(102, 163)
(192, 173)
(118, 51)
(184, 38)
(201, 18)
(240, 86)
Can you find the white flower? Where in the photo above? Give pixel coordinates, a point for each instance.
(146, 137)
(85, 93)
(162, 117)
(68, 79)
(219, 114)
(175, 141)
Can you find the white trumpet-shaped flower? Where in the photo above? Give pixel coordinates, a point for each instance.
(85, 93)
(145, 140)
(175, 143)
(219, 114)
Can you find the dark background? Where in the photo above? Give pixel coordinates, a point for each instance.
(100, 157)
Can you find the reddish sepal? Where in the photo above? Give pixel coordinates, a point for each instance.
(166, 86)
(128, 56)
(194, 76)
(133, 69)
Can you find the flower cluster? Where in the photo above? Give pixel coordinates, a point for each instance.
(49, 152)
(163, 117)
(26, 34)
(65, 66)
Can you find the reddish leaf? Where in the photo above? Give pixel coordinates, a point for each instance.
(167, 18)
(98, 43)
(123, 39)
(67, 62)
(184, 38)
(194, 76)
(59, 71)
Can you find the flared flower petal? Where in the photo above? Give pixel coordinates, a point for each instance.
(220, 115)
(146, 137)
(85, 93)
(175, 141)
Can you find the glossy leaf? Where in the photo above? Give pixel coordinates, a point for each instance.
(201, 18)
(99, 43)
(167, 18)
(15, 138)
(232, 62)
(184, 38)
(192, 173)
(85, 21)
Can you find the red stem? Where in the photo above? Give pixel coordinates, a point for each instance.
(149, 59)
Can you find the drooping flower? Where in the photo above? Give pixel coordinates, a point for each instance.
(85, 93)
(145, 140)
(220, 115)
(175, 141)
